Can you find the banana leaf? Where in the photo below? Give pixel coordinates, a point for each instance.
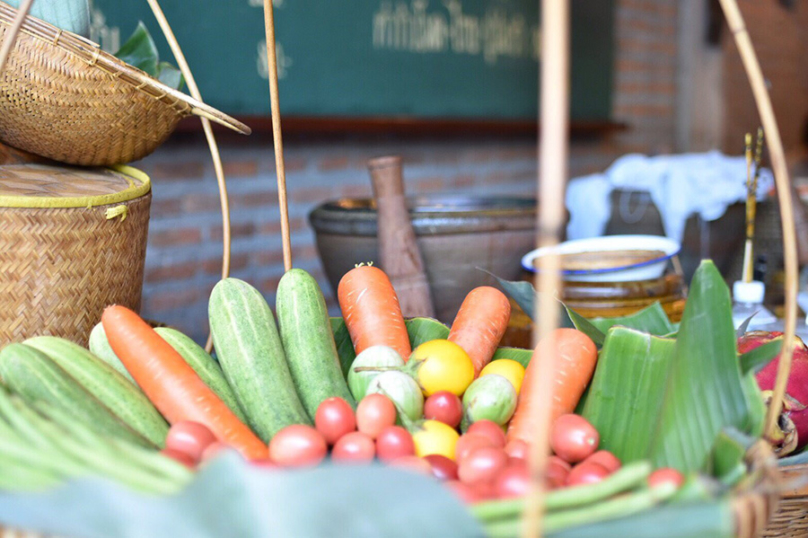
(652, 319)
(522, 356)
(141, 52)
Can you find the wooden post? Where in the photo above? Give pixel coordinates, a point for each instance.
(400, 256)
(553, 148)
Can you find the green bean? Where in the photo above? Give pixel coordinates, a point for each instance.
(619, 507)
(623, 479)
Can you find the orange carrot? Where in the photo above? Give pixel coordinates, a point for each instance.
(371, 311)
(480, 324)
(575, 359)
(171, 385)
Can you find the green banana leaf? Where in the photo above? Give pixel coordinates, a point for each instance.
(652, 319)
(141, 52)
(756, 359)
(522, 356)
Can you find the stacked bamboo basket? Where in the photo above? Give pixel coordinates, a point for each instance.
(754, 509)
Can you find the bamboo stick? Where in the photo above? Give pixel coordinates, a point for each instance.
(766, 111)
(553, 148)
(272, 64)
(11, 36)
(214, 147)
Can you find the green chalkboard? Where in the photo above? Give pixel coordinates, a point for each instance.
(461, 59)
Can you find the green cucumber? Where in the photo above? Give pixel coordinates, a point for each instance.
(117, 393)
(33, 376)
(308, 341)
(99, 346)
(204, 365)
(251, 355)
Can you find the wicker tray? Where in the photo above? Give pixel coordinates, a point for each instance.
(72, 241)
(791, 518)
(90, 107)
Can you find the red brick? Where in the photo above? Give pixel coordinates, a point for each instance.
(240, 168)
(270, 228)
(167, 207)
(304, 252)
(432, 184)
(264, 258)
(312, 194)
(297, 223)
(269, 285)
(254, 199)
(356, 191)
(213, 266)
(292, 165)
(181, 236)
(200, 203)
(170, 300)
(180, 271)
(463, 180)
(243, 229)
(178, 170)
(333, 163)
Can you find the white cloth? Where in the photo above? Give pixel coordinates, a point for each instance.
(679, 185)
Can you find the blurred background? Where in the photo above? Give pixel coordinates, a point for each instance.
(449, 86)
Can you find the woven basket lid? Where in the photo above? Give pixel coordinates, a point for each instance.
(46, 186)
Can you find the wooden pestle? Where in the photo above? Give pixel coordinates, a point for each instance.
(400, 257)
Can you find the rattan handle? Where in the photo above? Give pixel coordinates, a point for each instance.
(204, 111)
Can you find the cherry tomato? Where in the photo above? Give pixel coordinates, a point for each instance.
(298, 445)
(557, 472)
(573, 439)
(445, 407)
(374, 413)
(180, 457)
(517, 449)
(482, 465)
(394, 442)
(334, 418)
(467, 494)
(213, 450)
(469, 442)
(189, 437)
(587, 473)
(605, 458)
(665, 475)
(354, 447)
(513, 480)
(413, 464)
(490, 429)
(442, 467)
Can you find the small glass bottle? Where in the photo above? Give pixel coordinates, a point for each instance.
(748, 300)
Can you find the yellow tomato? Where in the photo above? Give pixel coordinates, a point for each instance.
(442, 365)
(435, 438)
(507, 368)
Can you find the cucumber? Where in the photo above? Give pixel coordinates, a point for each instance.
(204, 365)
(33, 376)
(99, 346)
(251, 355)
(101, 380)
(308, 341)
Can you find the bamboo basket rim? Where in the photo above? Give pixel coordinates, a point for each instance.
(91, 53)
(139, 184)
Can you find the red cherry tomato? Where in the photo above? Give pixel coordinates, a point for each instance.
(213, 450)
(445, 407)
(394, 442)
(513, 480)
(468, 442)
(467, 494)
(413, 464)
(518, 449)
(587, 473)
(354, 447)
(442, 467)
(605, 458)
(179, 457)
(297, 446)
(573, 439)
(482, 465)
(557, 472)
(189, 437)
(490, 429)
(666, 475)
(334, 418)
(374, 413)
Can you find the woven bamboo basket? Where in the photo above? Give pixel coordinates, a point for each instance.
(791, 518)
(64, 98)
(72, 241)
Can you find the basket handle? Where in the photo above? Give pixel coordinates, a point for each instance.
(766, 111)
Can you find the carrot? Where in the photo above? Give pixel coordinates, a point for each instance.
(171, 385)
(575, 359)
(371, 311)
(480, 324)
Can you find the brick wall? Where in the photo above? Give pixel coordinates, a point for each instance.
(780, 38)
(183, 258)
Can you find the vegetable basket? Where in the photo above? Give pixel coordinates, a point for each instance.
(64, 98)
(791, 518)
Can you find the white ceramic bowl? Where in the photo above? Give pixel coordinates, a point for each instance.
(646, 270)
